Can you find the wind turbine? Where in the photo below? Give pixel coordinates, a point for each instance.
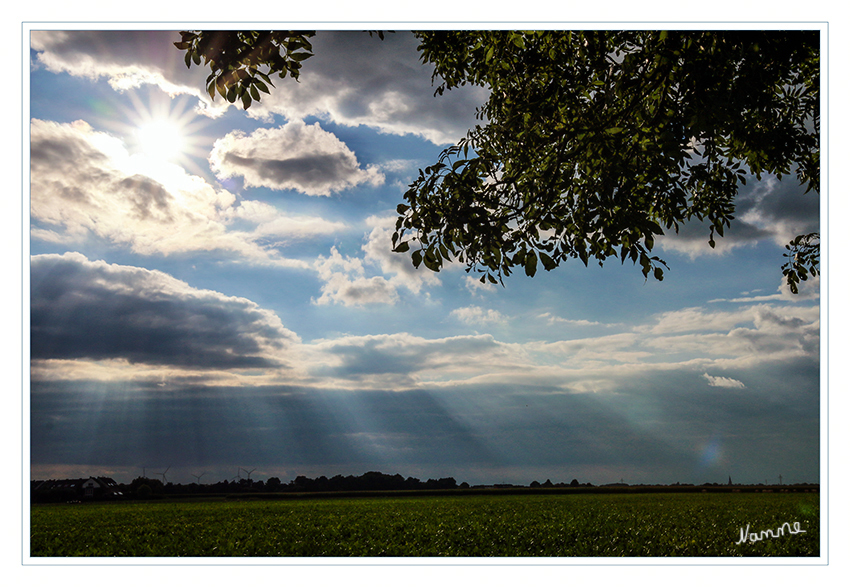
(198, 477)
(249, 472)
(164, 479)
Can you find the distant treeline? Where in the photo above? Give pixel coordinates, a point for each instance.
(145, 487)
(100, 488)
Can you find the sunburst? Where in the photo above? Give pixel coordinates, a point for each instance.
(163, 135)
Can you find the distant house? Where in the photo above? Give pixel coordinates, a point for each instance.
(90, 488)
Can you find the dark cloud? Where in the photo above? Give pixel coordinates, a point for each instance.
(126, 58)
(359, 79)
(149, 197)
(782, 202)
(91, 310)
(769, 209)
(111, 47)
(60, 149)
(309, 171)
(65, 164)
(293, 156)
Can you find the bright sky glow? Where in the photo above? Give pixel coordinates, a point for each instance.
(160, 139)
(214, 289)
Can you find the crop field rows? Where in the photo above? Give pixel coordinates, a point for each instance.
(641, 525)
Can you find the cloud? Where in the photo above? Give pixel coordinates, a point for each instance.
(400, 360)
(697, 319)
(724, 382)
(85, 182)
(127, 59)
(378, 251)
(271, 223)
(558, 320)
(807, 290)
(353, 79)
(346, 280)
(687, 342)
(94, 311)
(476, 287)
(293, 156)
(769, 209)
(346, 284)
(478, 315)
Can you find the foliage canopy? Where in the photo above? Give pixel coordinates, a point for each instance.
(591, 143)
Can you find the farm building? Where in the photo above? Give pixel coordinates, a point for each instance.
(74, 489)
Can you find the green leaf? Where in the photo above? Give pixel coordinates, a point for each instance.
(432, 261)
(530, 264)
(548, 262)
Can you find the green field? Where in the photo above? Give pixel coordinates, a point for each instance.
(579, 525)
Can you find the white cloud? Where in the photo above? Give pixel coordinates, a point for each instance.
(402, 273)
(346, 280)
(293, 156)
(84, 181)
(806, 291)
(723, 382)
(271, 223)
(478, 315)
(767, 337)
(346, 283)
(558, 320)
(697, 319)
(476, 287)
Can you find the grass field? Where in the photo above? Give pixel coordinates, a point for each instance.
(581, 525)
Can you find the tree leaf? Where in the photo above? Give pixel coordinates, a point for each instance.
(530, 264)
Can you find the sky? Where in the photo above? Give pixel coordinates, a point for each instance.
(212, 290)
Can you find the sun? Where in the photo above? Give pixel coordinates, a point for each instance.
(161, 139)
(164, 136)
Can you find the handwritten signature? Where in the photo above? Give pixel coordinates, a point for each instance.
(754, 537)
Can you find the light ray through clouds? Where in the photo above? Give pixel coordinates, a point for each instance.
(238, 305)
